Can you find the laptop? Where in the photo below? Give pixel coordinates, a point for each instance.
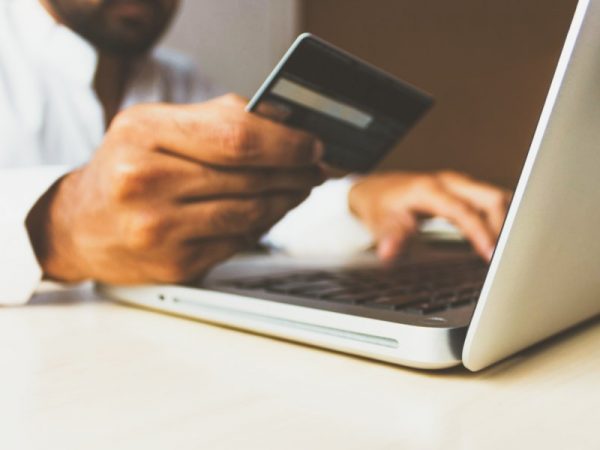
(442, 307)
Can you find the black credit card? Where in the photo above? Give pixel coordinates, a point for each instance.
(359, 111)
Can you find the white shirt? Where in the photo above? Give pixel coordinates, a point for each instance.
(52, 121)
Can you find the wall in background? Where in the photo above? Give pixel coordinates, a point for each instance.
(235, 42)
(487, 62)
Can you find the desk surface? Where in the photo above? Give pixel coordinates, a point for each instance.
(78, 372)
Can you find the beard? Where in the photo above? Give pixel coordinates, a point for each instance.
(123, 28)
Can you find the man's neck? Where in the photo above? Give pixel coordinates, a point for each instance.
(112, 75)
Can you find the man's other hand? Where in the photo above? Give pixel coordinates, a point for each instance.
(391, 205)
(172, 191)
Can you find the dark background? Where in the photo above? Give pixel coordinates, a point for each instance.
(488, 64)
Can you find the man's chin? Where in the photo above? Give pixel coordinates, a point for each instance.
(132, 10)
(124, 50)
(123, 41)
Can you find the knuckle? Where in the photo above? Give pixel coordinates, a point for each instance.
(135, 125)
(145, 230)
(123, 120)
(128, 119)
(129, 180)
(232, 99)
(124, 183)
(449, 175)
(239, 142)
(424, 183)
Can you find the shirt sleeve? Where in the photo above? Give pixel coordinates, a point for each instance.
(20, 189)
(322, 225)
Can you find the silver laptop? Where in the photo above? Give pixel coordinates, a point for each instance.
(438, 308)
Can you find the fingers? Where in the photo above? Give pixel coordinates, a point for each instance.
(194, 260)
(230, 217)
(186, 180)
(393, 237)
(207, 253)
(273, 111)
(220, 132)
(437, 201)
(476, 208)
(490, 200)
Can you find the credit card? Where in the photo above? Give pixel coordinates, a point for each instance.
(356, 109)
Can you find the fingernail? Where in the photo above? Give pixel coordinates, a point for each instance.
(318, 150)
(490, 253)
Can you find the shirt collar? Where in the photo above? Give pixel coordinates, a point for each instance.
(55, 44)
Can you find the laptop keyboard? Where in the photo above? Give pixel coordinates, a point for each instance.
(417, 289)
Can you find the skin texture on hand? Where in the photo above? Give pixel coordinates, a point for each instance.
(172, 191)
(391, 205)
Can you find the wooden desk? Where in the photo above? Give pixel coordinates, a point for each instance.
(78, 372)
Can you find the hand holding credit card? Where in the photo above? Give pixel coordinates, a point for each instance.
(357, 110)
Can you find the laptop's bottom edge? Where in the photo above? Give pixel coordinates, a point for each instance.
(396, 343)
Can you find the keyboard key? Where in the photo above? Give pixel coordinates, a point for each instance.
(285, 288)
(461, 302)
(443, 297)
(345, 297)
(397, 291)
(251, 284)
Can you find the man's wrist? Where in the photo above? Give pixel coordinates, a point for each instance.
(50, 236)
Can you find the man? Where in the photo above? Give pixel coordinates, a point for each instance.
(94, 187)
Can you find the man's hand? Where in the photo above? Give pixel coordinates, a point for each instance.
(391, 205)
(172, 191)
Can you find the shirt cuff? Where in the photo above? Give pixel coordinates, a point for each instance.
(322, 225)
(20, 189)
